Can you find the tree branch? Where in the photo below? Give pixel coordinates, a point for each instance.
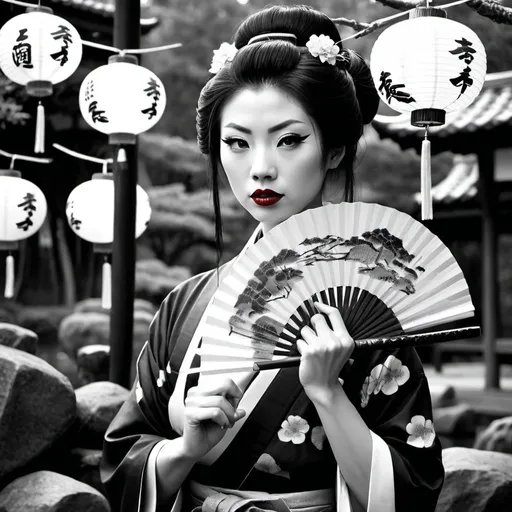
(364, 28)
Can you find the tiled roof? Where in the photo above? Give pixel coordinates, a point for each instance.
(486, 123)
(106, 8)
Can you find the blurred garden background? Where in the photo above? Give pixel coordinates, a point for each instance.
(58, 277)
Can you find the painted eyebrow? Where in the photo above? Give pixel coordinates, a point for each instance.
(273, 129)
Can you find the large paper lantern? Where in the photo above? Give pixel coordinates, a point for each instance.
(90, 214)
(122, 99)
(39, 49)
(428, 65)
(23, 210)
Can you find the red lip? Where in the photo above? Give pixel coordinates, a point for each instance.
(265, 197)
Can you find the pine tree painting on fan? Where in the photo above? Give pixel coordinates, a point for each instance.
(387, 274)
(38, 50)
(428, 66)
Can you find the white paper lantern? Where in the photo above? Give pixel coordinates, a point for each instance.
(38, 49)
(90, 210)
(122, 99)
(22, 207)
(23, 210)
(428, 65)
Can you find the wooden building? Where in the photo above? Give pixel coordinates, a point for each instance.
(475, 200)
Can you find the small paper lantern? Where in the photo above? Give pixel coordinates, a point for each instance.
(428, 65)
(23, 210)
(90, 214)
(39, 49)
(122, 99)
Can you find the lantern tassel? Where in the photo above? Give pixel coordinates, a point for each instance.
(106, 285)
(9, 277)
(40, 125)
(426, 180)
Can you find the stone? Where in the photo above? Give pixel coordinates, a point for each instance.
(37, 407)
(18, 337)
(46, 491)
(97, 404)
(93, 363)
(455, 420)
(497, 436)
(84, 466)
(93, 305)
(83, 329)
(443, 395)
(475, 481)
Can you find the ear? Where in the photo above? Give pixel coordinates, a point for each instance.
(334, 158)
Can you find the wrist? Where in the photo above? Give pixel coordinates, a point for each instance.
(175, 451)
(325, 396)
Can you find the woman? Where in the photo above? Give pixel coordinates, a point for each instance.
(281, 118)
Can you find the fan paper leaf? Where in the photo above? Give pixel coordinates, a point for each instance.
(385, 271)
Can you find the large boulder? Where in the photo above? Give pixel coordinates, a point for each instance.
(443, 395)
(37, 406)
(476, 481)
(18, 337)
(45, 491)
(455, 420)
(97, 404)
(497, 437)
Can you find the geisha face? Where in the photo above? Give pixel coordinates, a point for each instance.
(271, 153)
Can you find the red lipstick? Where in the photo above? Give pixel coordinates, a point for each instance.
(266, 197)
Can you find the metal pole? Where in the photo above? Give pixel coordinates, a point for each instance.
(126, 35)
(490, 303)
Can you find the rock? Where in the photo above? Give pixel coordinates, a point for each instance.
(44, 321)
(443, 395)
(497, 437)
(93, 363)
(18, 337)
(476, 481)
(455, 420)
(93, 305)
(37, 406)
(97, 404)
(45, 491)
(83, 329)
(84, 466)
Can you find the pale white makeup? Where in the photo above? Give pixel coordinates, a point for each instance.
(269, 142)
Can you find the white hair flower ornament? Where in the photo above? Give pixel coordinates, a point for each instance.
(225, 53)
(324, 48)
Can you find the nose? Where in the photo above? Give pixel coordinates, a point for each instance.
(263, 166)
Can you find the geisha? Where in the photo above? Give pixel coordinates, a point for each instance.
(281, 119)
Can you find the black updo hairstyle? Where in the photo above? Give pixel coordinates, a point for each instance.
(341, 99)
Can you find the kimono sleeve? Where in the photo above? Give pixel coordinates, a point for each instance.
(396, 405)
(142, 421)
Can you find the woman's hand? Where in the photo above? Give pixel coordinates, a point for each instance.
(324, 352)
(209, 411)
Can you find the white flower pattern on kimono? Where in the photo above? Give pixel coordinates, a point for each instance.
(323, 47)
(365, 396)
(225, 53)
(267, 464)
(168, 368)
(293, 429)
(161, 379)
(388, 377)
(139, 395)
(318, 437)
(421, 432)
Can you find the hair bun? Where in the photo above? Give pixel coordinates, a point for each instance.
(366, 93)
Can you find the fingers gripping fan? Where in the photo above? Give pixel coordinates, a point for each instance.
(386, 273)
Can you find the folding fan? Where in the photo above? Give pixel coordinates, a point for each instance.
(386, 273)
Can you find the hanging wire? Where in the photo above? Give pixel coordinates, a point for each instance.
(76, 154)
(134, 50)
(14, 156)
(398, 15)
